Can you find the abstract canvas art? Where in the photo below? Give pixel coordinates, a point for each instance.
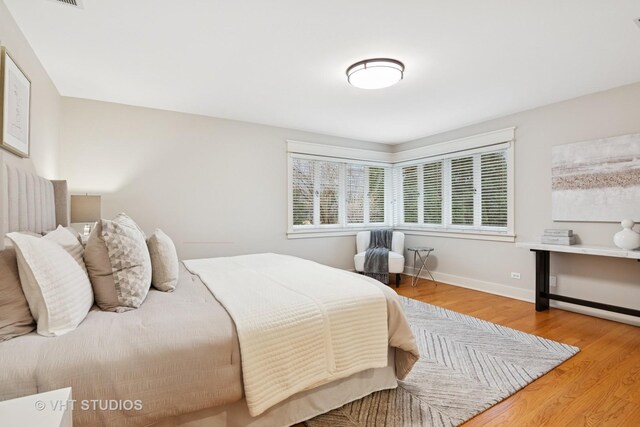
(597, 180)
(15, 94)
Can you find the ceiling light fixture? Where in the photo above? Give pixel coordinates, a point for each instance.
(375, 73)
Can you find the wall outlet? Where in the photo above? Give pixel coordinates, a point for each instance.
(515, 275)
(553, 281)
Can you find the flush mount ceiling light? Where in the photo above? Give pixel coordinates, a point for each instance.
(375, 73)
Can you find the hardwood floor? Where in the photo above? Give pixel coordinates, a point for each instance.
(600, 386)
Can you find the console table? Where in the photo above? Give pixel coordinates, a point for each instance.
(543, 295)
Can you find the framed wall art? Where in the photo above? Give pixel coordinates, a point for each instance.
(15, 94)
(597, 180)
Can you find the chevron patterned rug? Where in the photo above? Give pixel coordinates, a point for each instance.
(467, 365)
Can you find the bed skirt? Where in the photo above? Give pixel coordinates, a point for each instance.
(297, 408)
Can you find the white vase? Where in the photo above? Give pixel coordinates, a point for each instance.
(627, 238)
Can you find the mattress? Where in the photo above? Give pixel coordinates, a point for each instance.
(177, 353)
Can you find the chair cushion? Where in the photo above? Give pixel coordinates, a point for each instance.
(396, 262)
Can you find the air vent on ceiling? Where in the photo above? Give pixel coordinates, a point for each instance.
(72, 3)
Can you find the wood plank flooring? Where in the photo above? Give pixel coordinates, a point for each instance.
(600, 386)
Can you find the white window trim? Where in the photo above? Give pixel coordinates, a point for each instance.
(449, 148)
(489, 141)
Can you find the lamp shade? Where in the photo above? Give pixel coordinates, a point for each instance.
(85, 208)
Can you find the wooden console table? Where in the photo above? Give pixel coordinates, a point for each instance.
(543, 295)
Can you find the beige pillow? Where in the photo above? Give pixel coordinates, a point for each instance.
(15, 317)
(164, 261)
(57, 289)
(118, 263)
(69, 242)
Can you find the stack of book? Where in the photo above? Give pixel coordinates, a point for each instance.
(558, 236)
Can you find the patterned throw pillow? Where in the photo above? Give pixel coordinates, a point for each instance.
(118, 263)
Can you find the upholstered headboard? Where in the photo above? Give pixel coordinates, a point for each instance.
(29, 202)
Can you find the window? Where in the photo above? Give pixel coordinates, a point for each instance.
(463, 192)
(462, 188)
(337, 194)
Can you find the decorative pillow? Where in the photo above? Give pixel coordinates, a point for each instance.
(57, 290)
(69, 242)
(118, 263)
(75, 234)
(164, 261)
(15, 317)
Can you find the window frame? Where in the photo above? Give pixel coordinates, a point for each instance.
(485, 142)
(446, 227)
(447, 223)
(343, 228)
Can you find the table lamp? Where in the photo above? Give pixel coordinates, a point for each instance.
(86, 209)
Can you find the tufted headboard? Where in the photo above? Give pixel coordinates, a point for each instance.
(29, 202)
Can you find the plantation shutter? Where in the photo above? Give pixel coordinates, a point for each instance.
(462, 191)
(410, 194)
(376, 194)
(493, 168)
(355, 189)
(303, 191)
(328, 192)
(432, 192)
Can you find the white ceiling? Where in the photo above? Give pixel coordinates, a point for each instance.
(283, 62)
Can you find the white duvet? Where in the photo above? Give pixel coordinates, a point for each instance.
(300, 324)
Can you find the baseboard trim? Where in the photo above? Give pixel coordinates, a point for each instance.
(478, 285)
(520, 294)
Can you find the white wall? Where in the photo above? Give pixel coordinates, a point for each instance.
(218, 187)
(488, 265)
(45, 100)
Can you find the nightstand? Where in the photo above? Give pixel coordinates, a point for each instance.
(49, 409)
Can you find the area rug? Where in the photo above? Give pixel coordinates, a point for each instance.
(466, 366)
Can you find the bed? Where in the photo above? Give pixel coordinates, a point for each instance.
(178, 354)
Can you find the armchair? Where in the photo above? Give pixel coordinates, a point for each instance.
(396, 254)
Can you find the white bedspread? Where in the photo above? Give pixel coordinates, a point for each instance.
(300, 324)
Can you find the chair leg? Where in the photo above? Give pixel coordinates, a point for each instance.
(398, 280)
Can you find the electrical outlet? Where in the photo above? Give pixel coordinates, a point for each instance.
(515, 275)
(553, 281)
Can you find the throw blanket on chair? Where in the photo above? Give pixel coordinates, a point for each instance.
(376, 259)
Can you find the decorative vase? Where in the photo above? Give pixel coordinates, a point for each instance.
(627, 238)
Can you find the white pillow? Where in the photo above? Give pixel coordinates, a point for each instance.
(57, 290)
(165, 267)
(69, 242)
